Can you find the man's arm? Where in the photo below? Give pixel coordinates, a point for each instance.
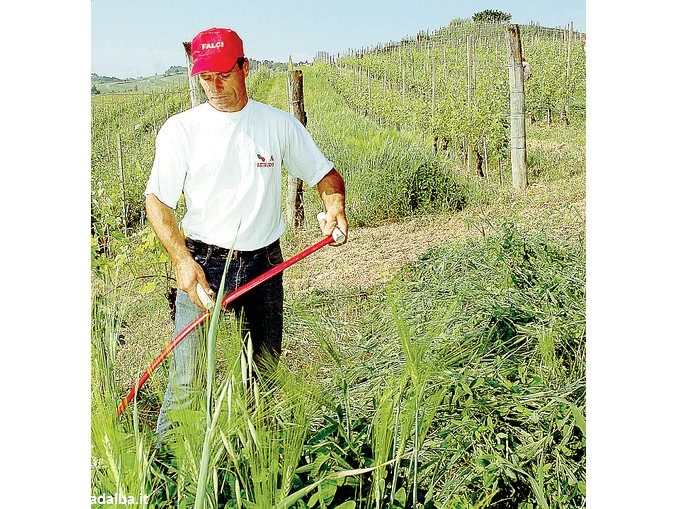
(333, 194)
(187, 270)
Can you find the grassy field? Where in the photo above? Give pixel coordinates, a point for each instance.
(435, 360)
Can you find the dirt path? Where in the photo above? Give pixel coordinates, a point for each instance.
(374, 254)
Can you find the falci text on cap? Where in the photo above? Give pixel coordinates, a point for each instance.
(213, 45)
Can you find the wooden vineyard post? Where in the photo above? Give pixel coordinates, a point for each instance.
(470, 92)
(471, 87)
(470, 70)
(487, 162)
(295, 186)
(568, 74)
(122, 188)
(402, 72)
(288, 82)
(517, 100)
(433, 91)
(108, 145)
(195, 90)
(569, 50)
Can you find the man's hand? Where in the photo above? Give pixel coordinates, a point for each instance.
(187, 270)
(189, 274)
(328, 225)
(332, 191)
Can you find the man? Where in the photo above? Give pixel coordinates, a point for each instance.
(225, 156)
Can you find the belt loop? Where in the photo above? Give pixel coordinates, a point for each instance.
(210, 249)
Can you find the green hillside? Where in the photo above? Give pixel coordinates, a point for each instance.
(175, 76)
(155, 83)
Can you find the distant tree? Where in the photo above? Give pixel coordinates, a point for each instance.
(491, 16)
(95, 90)
(175, 69)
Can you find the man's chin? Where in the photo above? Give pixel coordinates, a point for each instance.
(221, 103)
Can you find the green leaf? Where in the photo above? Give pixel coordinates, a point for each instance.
(148, 287)
(327, 490)
(538, 491)
(349, 504)
(317, 464)
(293, 497)
(577, 414)
(400, 496)
(579, 418)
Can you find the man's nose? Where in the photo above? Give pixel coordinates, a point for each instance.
(218, 83)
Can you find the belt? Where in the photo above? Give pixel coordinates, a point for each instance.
(197, 247)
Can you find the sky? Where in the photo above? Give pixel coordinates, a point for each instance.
(132, 38)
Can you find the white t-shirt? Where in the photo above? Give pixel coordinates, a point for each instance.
(228, 165)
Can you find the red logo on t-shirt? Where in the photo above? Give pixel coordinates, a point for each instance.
(262, 162)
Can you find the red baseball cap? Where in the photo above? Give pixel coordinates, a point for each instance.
(215, 50)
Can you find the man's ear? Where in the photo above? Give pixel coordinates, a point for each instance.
(246, 66)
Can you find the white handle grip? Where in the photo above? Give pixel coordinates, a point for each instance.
(206, 300)
(337, 234)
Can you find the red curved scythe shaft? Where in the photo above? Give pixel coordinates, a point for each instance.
(228, 299)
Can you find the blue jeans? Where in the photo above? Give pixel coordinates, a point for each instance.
(261, 311)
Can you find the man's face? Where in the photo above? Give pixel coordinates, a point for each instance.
(226, 90)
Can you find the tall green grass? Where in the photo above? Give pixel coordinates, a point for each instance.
(460, 384)
(496, 329)
(244, 449)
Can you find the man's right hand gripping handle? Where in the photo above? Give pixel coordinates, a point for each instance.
(189, 275)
